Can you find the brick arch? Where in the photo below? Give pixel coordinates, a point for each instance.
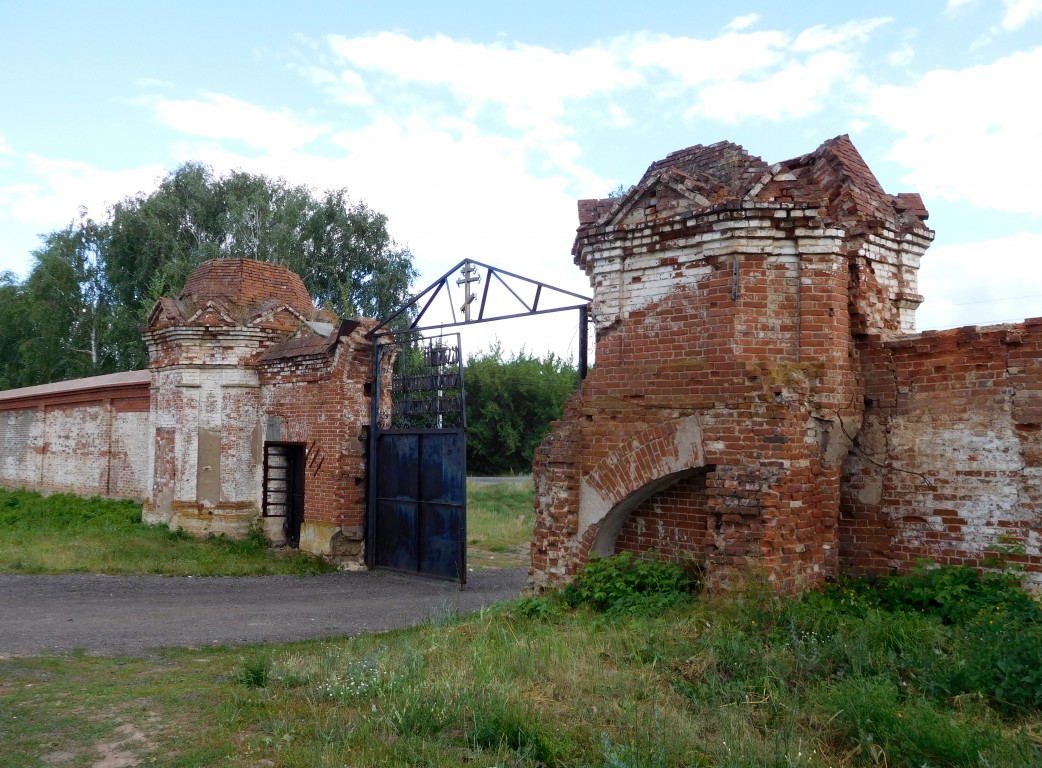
(649, 462)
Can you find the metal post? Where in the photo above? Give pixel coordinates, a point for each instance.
(584, 318)
(374, 424)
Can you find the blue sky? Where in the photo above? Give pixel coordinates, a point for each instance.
(476, 126)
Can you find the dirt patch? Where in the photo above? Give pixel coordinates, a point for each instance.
(59, 758)
(125, 751)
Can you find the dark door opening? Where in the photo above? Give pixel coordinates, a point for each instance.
(284, 487)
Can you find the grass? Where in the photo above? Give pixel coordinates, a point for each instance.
(939, 668)
(62, 533)
(747, 680)
(500, 518)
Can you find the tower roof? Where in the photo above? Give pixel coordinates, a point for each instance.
(243, 286)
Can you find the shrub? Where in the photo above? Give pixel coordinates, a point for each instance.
(1003, 661)
(955, 594)
(255, 672)
(624, 584)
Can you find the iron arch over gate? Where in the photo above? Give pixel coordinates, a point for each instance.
(416, 508)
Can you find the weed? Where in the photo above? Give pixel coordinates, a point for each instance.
(255, 672)
(544, 607)
(496, 723)
(622, 584)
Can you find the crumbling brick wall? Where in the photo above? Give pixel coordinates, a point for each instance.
(240, 358)
(317, 392)
(727, 297)
(948, 463)
(87, 436)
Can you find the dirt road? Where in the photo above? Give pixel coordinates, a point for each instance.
(132, 615)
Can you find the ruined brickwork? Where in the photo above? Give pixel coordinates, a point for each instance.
(728, 298)
(240, 359)
(948, 462)
(315, 391)
(87, 436)
(760, 401)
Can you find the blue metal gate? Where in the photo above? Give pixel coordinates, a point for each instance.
(417, 505)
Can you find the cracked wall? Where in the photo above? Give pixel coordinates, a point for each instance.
(88, 436)
(727, 295)
(948, 463)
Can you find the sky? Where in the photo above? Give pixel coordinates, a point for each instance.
(475, 126)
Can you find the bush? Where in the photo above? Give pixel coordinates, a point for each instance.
(624, 584)
(1003, 661)
(972, 634)
(955, 594)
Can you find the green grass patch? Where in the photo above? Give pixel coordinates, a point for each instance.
(62, 533)
(738, 680)
(500, 518)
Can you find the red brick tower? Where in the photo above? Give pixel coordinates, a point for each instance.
(727, 297)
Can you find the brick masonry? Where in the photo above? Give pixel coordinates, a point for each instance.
(88, 436)
(760, 401)
(948, 463)
(239, 359)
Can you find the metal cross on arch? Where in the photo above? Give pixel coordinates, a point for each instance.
(471, 276)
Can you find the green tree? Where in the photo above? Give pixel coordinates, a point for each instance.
(93, 283)
(510, 404)
(15, 329)
(64, 325)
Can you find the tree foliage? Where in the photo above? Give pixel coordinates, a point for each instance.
(510, 404)
(80, 310)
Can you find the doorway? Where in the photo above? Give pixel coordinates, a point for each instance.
(284, 487)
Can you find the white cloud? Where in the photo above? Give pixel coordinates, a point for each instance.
(5, 148)
(531, 83)
(346, 87)
(59, 187)
(50, 196)
(695, 61)
(804, 84)
(619, 118)
(901, 57)
(955, 5)
(970, 134)
(223, 117)
(1006, 284)
(742, 22)
(1020, 12)
(821, 36)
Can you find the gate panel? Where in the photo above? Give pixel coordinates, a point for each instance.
(442, 470)
(397, 502)
(418, 472)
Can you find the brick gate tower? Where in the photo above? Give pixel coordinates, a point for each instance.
(728, 297)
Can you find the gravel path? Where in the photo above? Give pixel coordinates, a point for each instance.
(132, 615)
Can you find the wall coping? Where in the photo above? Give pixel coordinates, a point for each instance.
(24, 396)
